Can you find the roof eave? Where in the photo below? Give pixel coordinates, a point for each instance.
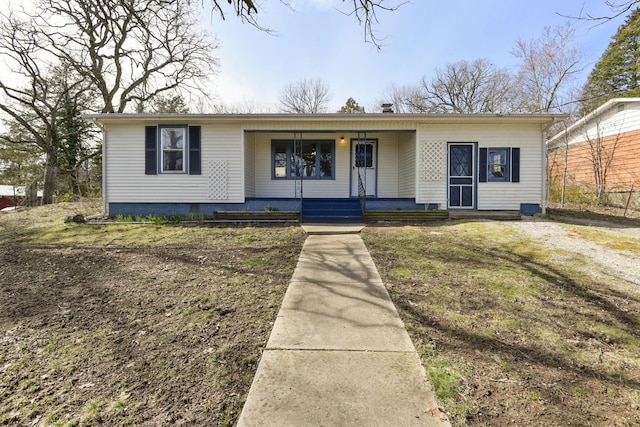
(366, 117)
(592, 115)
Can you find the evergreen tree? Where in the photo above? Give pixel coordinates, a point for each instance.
(617, 73)
(74, 151)
(351, 107)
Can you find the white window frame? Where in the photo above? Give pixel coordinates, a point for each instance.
(491, 177)
(165, 132)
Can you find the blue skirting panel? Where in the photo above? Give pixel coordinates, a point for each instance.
(253, 204)
(207, 209)
(529, 209)
(404, 204)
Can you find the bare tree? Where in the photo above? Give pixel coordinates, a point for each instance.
(602, 151)
(560, 149)
(130, 50)
(305, 97)
(125, 51)
(400, 97)
(20, 164)
(618, 8)
(35, 106)
(548, 65)
(169, 103)
(244, 107)
(463, 87)
(364, 11)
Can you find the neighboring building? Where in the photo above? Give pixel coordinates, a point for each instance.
(7, 198)
(11, 196)
(602, 149)
(184, 164)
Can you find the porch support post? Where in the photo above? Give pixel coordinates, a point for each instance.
(297, 153)
(362, 180)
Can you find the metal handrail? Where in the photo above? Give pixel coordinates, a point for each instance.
(362, 193)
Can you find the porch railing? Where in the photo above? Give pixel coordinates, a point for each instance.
(362, 193)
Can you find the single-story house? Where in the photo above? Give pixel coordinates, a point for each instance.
(202, 163)
(603, 146)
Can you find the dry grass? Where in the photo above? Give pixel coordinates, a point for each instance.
(510, 334)
(134, 324)
(164, 325)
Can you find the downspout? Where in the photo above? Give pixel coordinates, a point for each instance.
(104, 173)
(544, 166)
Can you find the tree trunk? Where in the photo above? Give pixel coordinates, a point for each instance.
(50, 174)
(32, 194)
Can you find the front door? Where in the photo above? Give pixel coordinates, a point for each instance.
(364, 166)
(461, 176)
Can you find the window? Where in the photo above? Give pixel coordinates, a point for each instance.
(308, 159)
(173, 143)
(499, 165)
(364, 155)
(172, 149)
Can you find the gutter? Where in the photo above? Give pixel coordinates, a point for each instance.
(104, 172)
(544, 165)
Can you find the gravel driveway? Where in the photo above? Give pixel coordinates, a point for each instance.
(588, 244)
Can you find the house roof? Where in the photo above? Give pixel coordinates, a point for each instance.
(366, 119)
(603, 109)
(10, 191)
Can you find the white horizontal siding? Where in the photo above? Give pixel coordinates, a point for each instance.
(125, 167)
(247, 157)
(509, 195)
(387, 168)
(387, 165)
(491, 195)
(406, 165)
(612, 122)
(250, 164)
(266, 186)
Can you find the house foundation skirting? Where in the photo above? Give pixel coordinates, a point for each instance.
(251, 204)
(269, 204)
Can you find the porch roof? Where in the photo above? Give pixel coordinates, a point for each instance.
(355, 122)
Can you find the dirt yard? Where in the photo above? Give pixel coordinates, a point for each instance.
(134, 324)
(518, 323)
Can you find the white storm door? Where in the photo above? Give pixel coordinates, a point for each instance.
(364, 167)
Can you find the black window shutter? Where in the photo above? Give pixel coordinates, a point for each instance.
(482, 172)
(150, 149)
(194, 151)
(515, 165)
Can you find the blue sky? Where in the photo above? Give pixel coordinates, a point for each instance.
(317, 41)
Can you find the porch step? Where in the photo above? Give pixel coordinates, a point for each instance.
(331, 211)
(406, 215)
(493, 215)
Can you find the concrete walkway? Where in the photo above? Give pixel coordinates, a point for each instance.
(338, 354)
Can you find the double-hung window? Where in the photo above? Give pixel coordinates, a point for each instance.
(172, 149)
(499, 165)
(306, 159)
(173, 142)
